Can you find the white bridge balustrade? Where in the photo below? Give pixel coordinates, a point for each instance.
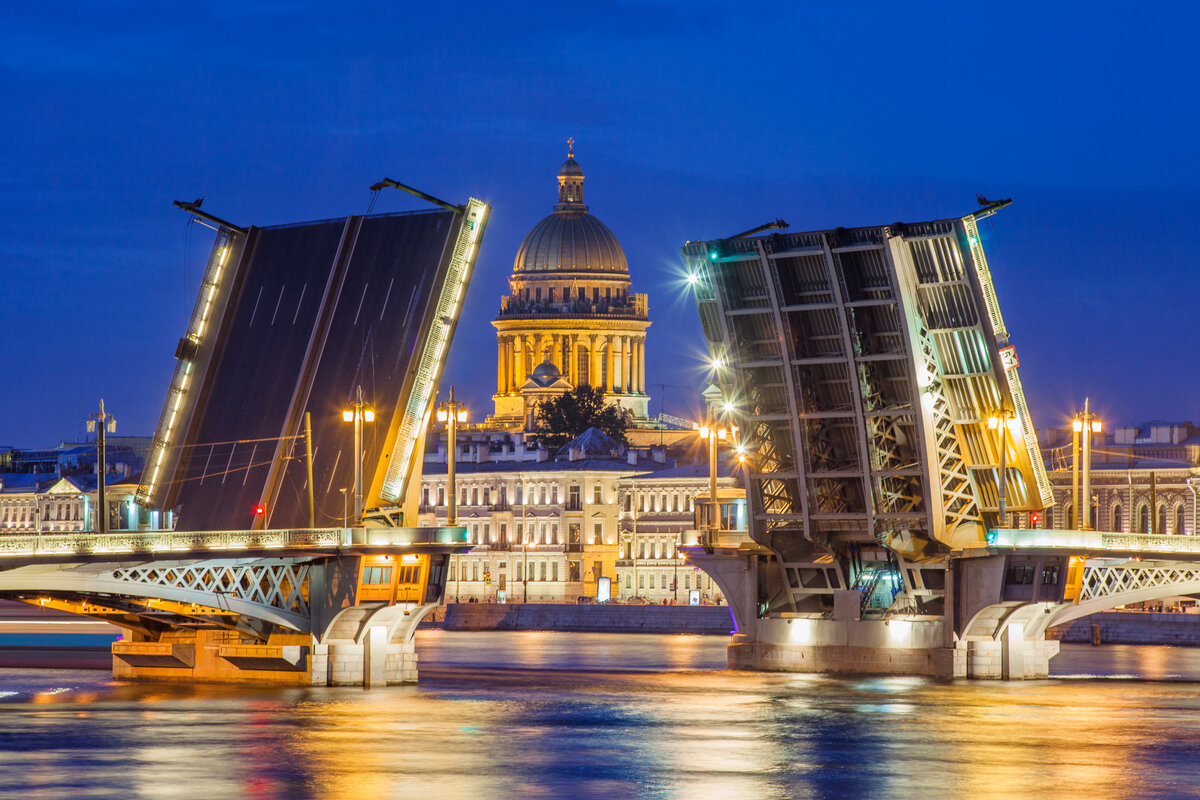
(86, 543)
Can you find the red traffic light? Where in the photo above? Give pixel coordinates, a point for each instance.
(259, 510)
(1034, 519)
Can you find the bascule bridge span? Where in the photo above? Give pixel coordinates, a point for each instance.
(288, 455)
(892, 461)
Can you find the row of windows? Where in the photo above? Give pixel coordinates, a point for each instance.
(646, 502)
(409, 573)
(665, 580)
(538, 533)
(553, 293)
(537, 571)
(51, 512)
(538, 495)
(1064, 517)
(656, 548)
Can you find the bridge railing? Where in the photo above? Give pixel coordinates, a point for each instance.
(1092, 540)
(91, 544)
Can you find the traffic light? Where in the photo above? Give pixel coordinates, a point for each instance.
(259, 510)
(1035, 519)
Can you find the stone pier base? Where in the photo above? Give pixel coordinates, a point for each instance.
(896, 646)
(209, 656)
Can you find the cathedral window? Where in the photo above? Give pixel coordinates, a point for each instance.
(583, 366)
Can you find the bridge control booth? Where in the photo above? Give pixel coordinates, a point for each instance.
(891, 462)
(289, 452)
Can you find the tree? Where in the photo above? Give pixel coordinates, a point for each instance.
(572, 413)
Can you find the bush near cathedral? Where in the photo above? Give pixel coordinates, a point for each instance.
(570, 414)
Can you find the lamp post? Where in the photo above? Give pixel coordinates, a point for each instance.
(452, 412)
(524, 540)
(343, 491)
(358, 413)
(101, 423)
(1088, 425)
(713, 433)
(1000, 422)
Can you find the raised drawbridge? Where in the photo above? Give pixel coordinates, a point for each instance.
(892, 459)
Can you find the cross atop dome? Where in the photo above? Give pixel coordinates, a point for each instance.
(570, 183)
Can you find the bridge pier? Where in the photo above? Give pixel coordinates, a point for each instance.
(369, 646)
(999, 640)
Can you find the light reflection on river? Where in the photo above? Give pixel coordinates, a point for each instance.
(550, 715)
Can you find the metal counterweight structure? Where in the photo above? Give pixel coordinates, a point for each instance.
(865, 363)
(292, 319)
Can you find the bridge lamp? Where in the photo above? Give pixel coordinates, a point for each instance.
(451, 412)
(714, 433)
(358, 413)
(999, 422)
(1083, 426)
(692, 278)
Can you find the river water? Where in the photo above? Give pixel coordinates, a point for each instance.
(557, 715)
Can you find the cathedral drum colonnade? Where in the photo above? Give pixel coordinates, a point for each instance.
(570, 318)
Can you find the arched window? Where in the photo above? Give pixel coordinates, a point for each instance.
(1180, 529)
(1116, 518)
(1070, 518)
(1161, 527)
(1143, 518)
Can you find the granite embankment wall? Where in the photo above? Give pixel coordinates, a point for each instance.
(1134, 627)
(606, 618)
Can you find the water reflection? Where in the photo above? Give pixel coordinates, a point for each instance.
(583, 716)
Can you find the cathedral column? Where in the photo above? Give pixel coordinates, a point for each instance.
(594, 362)
(642, 365)
(522, 371)
(612, 345)
(500, 365)
(627, 367)
(573, 358)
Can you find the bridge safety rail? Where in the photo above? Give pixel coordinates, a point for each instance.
(1092, 540)
(85, 543)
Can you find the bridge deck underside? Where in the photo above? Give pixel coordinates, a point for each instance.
(319, 310)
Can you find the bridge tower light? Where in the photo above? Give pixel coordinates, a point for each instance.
(358, 413)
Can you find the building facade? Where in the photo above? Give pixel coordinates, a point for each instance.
(1144, 479)
(550, 531)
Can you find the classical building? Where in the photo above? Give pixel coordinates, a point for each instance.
(1144, 479)
(550, 530)
(49, 503)
(570, 317)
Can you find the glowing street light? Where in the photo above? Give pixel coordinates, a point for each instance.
(999, 422)
(713, 433)
(452, 412)
(358, 413)
(1083, 426)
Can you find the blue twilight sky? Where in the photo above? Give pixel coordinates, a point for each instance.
(692, 120)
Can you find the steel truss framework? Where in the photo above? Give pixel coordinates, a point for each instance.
(281, 584)
(865, 364)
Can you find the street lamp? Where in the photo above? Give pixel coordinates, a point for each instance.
(343, 491)
(452, 412)
(713, 433)
(101, 423)
(1085, 424)
(358, 414)
(999, 422)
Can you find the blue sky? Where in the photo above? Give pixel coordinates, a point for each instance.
(692, 121)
